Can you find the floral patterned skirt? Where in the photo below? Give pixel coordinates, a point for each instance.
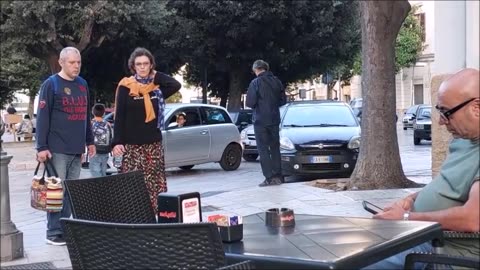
(148, 158)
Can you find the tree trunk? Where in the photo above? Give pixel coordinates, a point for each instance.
(31, 101)
(379, 164)
(205, 86)
(236, 86)
(330, 89)
(52, 60)
(223, 99)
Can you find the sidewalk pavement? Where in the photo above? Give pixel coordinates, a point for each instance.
(221, 192)
(24, 155)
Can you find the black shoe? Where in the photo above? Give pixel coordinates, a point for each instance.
(56, 241)
(270, 182)
(280, 177)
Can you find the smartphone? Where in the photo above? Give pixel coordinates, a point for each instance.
(372, 208)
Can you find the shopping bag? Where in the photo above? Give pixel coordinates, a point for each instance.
(46, 192)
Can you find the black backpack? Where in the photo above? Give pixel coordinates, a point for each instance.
(102, 136)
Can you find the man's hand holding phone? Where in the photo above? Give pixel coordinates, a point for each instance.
(372, 208)
(394, 211)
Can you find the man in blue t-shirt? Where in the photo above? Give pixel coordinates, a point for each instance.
(63, 129)
(453, 197)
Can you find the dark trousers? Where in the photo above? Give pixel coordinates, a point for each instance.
(268, 144)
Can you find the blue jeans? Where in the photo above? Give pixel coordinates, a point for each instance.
(397, 261)
(67, 167)
(268, 144)
(98, 165)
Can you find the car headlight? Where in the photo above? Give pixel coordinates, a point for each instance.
(286, 143)
(418, 126)
(354, 142)
(243, 134)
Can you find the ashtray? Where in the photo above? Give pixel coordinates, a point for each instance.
(282, 217)
(231, 233)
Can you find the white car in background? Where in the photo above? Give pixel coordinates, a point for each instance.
(250, 151)
(209, 135)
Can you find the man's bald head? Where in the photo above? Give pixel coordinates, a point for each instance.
(459, 104)
(462, 85)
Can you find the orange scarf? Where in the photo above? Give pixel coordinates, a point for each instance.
(140, 89)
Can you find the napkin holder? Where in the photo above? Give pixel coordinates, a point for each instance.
(231, 233)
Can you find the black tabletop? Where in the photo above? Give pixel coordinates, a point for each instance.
(327, 242)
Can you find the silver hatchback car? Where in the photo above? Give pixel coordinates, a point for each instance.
(208, 135)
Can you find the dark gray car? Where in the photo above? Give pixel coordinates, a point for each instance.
(409, 116)
(242, 118)
(422, 124)
(316, 137)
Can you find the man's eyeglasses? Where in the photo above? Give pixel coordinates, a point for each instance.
(446, 114)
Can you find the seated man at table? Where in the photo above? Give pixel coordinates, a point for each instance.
(452, 198)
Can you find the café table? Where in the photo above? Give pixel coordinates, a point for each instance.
(327, 242)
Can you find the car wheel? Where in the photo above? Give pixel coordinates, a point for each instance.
(231, 158)
(404, 128)
(186, 168)
(250, 157)
(416, 140)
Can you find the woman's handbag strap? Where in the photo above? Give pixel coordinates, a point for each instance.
(49, 164)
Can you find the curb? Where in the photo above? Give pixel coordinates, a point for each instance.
(18, 144)
(22, 166)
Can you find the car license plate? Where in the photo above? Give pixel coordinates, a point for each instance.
(253, 143)
(321, 159)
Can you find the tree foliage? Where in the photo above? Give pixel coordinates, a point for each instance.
(408, 44)
(19, 72)
(150, 28)
(218, 39)
(38, 30)
(300, 39)
(46, 27)
(409, 41)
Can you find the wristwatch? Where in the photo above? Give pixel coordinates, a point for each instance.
(406, 215)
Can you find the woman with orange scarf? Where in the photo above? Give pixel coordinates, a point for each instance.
(139, 119)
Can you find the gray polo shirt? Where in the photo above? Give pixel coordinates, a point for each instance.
(451, 188)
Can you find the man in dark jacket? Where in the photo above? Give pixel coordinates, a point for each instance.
(265, 95)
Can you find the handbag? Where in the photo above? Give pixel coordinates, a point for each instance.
(46, 192)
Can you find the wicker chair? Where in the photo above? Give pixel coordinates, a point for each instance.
(119, 198)
(437, 258)
(100, 245)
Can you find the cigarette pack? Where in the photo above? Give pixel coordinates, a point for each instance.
(225, 220)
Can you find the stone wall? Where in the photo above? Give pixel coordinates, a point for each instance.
(440, 136)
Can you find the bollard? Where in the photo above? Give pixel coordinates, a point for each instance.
(11, 238)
